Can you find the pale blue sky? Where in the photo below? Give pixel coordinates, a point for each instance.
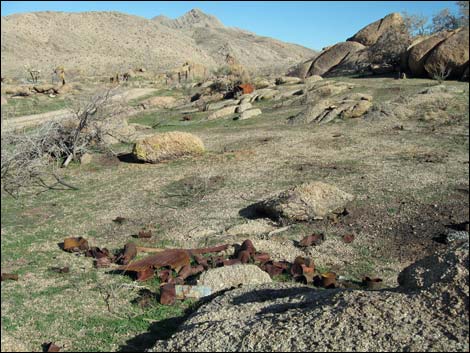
(312, 24)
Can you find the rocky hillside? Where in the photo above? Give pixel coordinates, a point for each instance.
(100, 42)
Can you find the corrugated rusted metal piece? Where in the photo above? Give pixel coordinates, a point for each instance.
(372, 283)
(272, 268)
(314, 239)
(197, 269)
(247, 245)
(244, 256)
(194, 292)
(164, 275)
(328, 280)
(102, 262)
(172, 258)
(185, 272)
(261, 257)
(145, 274)
(74, 244)
(129, 252)
(167, 294)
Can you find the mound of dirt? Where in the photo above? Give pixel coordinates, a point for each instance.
(288, 317)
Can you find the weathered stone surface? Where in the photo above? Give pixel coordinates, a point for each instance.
(287, 80)
(293, 318)
(233, 276)
(250, 114)
(242, 107)
(167, 146)
(222, 104)
(452, 55)
(419, 52)
(372, 32)
(221, 113)
(4, 100)
(333, 56)
(305, 202)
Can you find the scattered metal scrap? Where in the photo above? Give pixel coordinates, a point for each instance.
(176, 268)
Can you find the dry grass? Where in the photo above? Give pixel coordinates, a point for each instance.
(408, 184)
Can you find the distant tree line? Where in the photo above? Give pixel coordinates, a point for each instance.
(419, 25)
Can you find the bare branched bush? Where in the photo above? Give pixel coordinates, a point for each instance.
(439, 72)
(36, 158)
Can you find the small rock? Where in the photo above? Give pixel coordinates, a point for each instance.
(250, 114)
(243, 107)
(87, 158)
(233, 276)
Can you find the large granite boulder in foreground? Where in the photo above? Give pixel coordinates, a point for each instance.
(429, 312)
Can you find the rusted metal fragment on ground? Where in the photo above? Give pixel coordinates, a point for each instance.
(164, 275)
(172, 258)
(97, 253)
(314, 239)
(167, 294)
(65, 269)
(145, 274)
(194, 292)
(244, 256)
(144, 234)
(185, 272)
(328, 280)
(50, 347)
(9, 276)
(348, 238)
(247, 245)
(197, 269)
(129, 252)
(261, 257)
(75, 244)
(102, 262)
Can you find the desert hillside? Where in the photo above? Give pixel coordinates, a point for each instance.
(99, 42)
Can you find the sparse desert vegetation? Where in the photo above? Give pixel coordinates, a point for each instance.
(350, 181)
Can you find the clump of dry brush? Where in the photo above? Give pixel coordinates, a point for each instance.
(34, 159)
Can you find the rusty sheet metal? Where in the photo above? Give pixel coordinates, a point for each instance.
(246, 88)
(194, 292)
(75, 244)
(314, 239)
(167, 294)
(173, 258)
(129, 252)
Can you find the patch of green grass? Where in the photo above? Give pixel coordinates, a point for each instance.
(32, 105)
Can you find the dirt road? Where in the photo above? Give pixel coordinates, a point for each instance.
(36, 119)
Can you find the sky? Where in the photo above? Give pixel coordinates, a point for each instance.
(314, 24)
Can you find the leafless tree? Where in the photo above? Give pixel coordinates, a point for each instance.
(416, 24)
(444, 20)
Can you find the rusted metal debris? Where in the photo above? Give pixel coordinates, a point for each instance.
(175, 259)
(75, 244)
(314, 239)
(245, 88)
(129, 253)
(9, 276)
(372, 283)
(328, 280)
(348, 238)
(146, 234)
(167, 294)
(65, 269)
(50, 347)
